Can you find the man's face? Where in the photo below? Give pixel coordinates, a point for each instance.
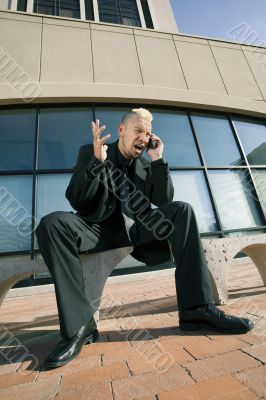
(134, 137)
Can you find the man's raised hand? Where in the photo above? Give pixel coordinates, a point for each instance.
(99, 146)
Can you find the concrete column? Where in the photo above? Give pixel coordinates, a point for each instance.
(14, 4)
(30, 6)
(96, 11)
(141, 15)
(82, 9)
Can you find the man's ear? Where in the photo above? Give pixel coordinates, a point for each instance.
(121, 130)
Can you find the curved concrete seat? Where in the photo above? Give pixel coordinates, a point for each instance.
(98, 266)
(96, 269)
(220, 254)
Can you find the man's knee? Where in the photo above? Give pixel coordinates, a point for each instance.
(183, 206)
(49, 221)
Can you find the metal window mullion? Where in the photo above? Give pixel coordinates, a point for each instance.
(141, 14)
(34, 180)
(14, 5)
(96, 11)
(206, 175)
(82, 9)
(30, 6)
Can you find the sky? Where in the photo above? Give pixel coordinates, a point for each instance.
(234, 20)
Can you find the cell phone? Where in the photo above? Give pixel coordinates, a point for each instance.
(152, 144)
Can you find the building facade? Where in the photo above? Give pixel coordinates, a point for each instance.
(66, 63)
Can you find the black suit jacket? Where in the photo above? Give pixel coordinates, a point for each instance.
(92, 194)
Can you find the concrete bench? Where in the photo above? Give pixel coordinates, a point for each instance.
(98, 266)
(96, 269)
(220, 254)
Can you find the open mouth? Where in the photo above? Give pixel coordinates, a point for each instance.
(138, 147)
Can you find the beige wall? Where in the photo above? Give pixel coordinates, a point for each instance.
(162, 15)
(76, 61)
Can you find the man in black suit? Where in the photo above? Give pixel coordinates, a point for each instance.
(112, 189)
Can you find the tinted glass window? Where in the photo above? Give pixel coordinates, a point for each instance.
(236, 204)
(17, 133)
(216, 140)
(259, 176)
(16, 214)
(174, 130)
(253, 138)
(123, 12)
(62, 132)
(190, 186)
(51, 195)
(111, 118)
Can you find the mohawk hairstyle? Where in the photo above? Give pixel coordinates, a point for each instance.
(141, 112)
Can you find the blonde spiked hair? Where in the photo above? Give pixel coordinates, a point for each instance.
(141, 112)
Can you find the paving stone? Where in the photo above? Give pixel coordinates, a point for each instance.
(223, 387)
(89, 376)
(150, 383)
(97, 391)
(201, 346)
(221, 364)
(257, 351)
(254, 379)
(41, 390)
(73, 366)
(16, 378)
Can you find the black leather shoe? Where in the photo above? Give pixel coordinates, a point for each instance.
(67, 349)
(209, 316)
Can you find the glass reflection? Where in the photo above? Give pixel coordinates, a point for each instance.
(253, 138)
(111, 117)
(51, 194)
(15, 213)
(216, 140)
(236, 204)
(259, 176)
(174, 130)
(17, 132)
(190, 186)
(62, 132)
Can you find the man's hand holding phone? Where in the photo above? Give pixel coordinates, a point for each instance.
(99, 146)
(155, 148)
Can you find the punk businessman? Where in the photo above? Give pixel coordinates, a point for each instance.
(112, 189)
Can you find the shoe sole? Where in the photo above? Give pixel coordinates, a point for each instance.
(87, 340)
(192, 326)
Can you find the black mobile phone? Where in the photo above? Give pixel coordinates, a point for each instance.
(152, 144)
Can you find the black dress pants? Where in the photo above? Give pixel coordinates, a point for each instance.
(63, 235)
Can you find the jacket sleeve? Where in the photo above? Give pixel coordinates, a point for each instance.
(85, 180)
(162, 188)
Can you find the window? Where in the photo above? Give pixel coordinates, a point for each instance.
(61, 133)
(51, 194)
(236, 204)
(22, 5)
(89, 10)
(62, 8)
(174, 130)
(17, 132)
(111, 117)
(123, 12)
(147, 14)
(259, 176)
(16, 214)
(216, 140)
(190, 186)
(253, 138)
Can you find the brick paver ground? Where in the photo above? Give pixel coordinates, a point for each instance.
(141, 353)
